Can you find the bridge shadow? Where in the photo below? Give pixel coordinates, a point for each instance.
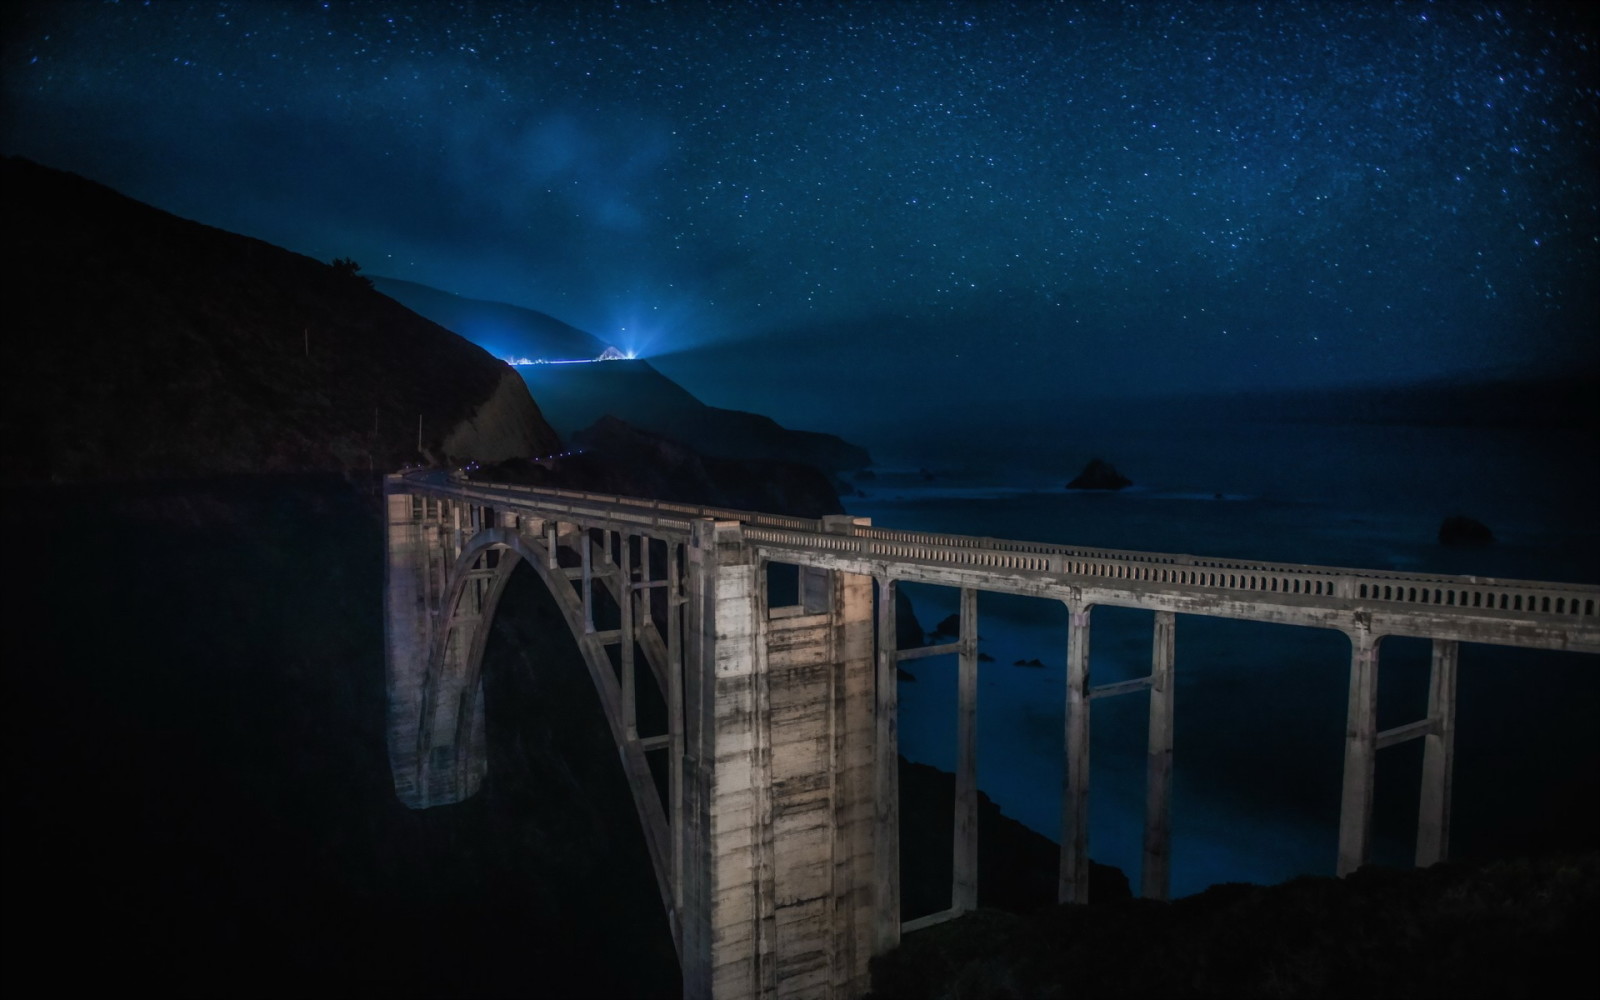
(200, 793)
(555, 789)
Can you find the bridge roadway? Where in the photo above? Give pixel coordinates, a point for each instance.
(714, 572)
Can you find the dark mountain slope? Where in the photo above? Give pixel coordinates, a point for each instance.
(620, 458)
(142, 345)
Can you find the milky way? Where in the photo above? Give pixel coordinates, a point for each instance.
(1076, 198)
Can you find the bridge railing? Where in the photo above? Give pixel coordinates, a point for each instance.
(669, 506)
(1559, 602)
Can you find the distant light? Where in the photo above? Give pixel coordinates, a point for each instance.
(609, 354)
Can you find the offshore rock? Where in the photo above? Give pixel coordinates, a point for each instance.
(1461, 530)
(1099, 475)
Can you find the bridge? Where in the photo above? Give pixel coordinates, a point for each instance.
(760, 742)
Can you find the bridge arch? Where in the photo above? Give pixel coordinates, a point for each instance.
(453, 730)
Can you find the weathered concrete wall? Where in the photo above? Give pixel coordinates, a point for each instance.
(779, 897)
(406, 634)
(432, 612)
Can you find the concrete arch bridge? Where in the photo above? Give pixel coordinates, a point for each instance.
(775, 845)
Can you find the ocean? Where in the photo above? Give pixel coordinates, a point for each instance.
(1260, 708)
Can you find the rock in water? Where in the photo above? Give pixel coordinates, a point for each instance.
(1099, 475)
(948, 627)
(1459, 529)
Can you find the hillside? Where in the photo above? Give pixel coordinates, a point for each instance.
(1515, 928)
(140, 345)
(502, 330)
(574, 396)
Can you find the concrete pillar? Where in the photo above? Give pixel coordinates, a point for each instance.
(586, 553)
(964, 867)
(625, 594)
(728, 894)
(1360, 752)
(675, 734)
(1438, 757)
(644, 614)
(1073, 886)
(854, 795)
(406, 635)
(435, 732)
(1155, 876)
(886, 745)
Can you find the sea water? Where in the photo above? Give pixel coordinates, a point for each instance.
(1260, 709)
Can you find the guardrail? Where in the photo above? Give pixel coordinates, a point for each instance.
(1558, 602)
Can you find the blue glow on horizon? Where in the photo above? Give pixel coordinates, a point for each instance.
(609, 354)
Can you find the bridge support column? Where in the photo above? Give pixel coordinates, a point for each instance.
(586, 555)
(435, 732)
(886, 765)
(1360, 753)
(777, 787)
(625, 606)
(407, 633)
(964, 883)
(727, 871)
(1438, 757)
(1155, 875)
(1073, 885)
(677, 796)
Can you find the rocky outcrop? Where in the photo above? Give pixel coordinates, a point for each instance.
(1510, 928)
(1017, 867)
(1099, 475)
(506, 425)
(1461, 530)
(618, 458)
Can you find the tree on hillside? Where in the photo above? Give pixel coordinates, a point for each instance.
(345, 267)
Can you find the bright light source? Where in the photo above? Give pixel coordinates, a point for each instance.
(609, 354)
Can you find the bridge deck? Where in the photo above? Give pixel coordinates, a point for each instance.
(1464, 608)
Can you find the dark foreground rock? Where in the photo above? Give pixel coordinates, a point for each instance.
(1522, 928)
(1464, 531)
(1099, 475)
(621, 459)
(1017, 868)
(200, 793)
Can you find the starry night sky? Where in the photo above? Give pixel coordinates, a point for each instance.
(902, 199)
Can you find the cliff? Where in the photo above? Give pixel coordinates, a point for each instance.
(140, 345)
(618, 458)
(506, 425)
